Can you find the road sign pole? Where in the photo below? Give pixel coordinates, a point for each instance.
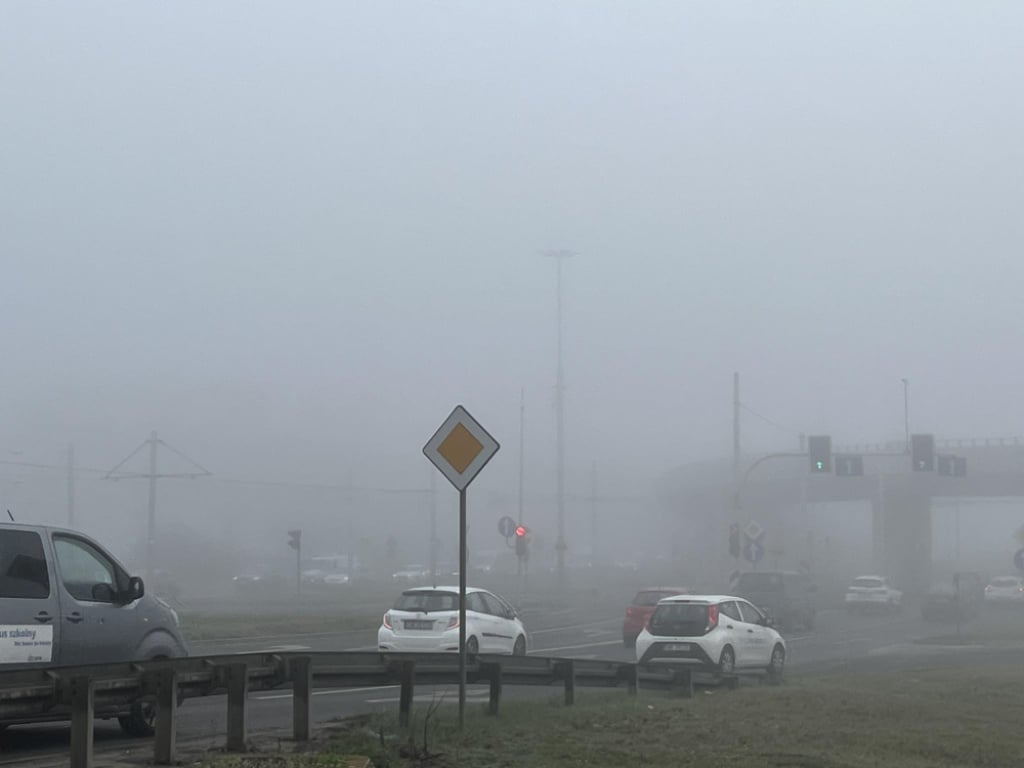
(462, 608)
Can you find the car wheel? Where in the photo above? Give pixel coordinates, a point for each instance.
(519, 649)
(140, 721)
(777, 665)
(727, 662)
(472, 646)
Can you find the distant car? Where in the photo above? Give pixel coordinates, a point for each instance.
(253, 583)
(785, 595)
(945, 604)
(426, 619)
(868, 593)
(639, 612)
(314, 576)
(720, 634)
(336, 578)
(412, 574)
(1005, 590)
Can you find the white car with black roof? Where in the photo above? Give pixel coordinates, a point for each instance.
(719, 634)
(426, 620)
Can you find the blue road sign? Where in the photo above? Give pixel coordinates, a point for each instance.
(507, 527)
(1018, 559)
(753, 551)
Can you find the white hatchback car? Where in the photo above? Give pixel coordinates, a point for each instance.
(426, 620)
(721, 634)
(1005, 590)
(872, 593)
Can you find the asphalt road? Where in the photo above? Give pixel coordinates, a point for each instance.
(838, 640)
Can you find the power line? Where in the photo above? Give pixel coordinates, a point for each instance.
(767, 420)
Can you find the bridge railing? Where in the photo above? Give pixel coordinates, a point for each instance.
(84, 693)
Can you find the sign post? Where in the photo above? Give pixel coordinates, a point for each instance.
(459, 449)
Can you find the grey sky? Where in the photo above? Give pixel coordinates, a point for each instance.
(292, 236)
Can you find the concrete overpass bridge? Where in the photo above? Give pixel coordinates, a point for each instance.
(704, 498)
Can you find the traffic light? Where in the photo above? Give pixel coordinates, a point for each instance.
(734, 540)
(951, 466)
(819, 452)
(522, 541)
(295, 539)
(849, 465)
(922, 453)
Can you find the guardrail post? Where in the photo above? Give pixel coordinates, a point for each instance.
(238, 705)
(302, 697)
(82, 721)
(682, 683)
(631, 673)
(408, 678)
(494, 677)
(164, 683)
(569, 676)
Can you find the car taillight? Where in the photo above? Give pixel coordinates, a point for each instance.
(387, 621)
(630, 611)
(712, 618)
(988, 588)
(453, 622)
(1020, 589)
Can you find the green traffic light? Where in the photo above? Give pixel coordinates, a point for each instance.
(819, 464)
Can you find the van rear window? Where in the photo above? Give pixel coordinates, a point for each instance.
(23, 572)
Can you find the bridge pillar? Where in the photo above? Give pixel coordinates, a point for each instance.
(902, 517)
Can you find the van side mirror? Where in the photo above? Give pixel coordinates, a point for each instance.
(135, 590)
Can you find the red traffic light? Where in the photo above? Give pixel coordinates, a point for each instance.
(521, 531)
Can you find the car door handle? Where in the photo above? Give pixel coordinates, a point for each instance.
(750, 631)
(42, 617)
(729, 626)
(75, 617)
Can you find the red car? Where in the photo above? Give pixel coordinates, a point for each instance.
(639, 613)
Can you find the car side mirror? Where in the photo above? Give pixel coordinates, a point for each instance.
(135, 590)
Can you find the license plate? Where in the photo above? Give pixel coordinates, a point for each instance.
(419, 625)
(677, 647)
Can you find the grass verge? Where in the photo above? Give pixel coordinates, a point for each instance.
(930, 719)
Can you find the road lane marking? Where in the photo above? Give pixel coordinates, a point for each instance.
(537, 651)
(275, 696)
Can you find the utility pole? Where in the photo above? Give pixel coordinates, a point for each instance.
(736, 424)
(151, 526)
(522, 449)
(153, 444)
(71, 485)
(560, 544)
(593, 513)
(906, 413)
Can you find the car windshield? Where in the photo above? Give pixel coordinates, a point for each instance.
(650, 597)
(760, 582)
(427, 601)
(869, 583)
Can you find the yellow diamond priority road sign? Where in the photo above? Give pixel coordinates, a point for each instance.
(460, 448)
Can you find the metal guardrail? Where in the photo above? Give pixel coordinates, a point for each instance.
(84, 693)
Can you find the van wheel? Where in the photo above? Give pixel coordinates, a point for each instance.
(777, 665)
(141, 721)
(472, 646)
